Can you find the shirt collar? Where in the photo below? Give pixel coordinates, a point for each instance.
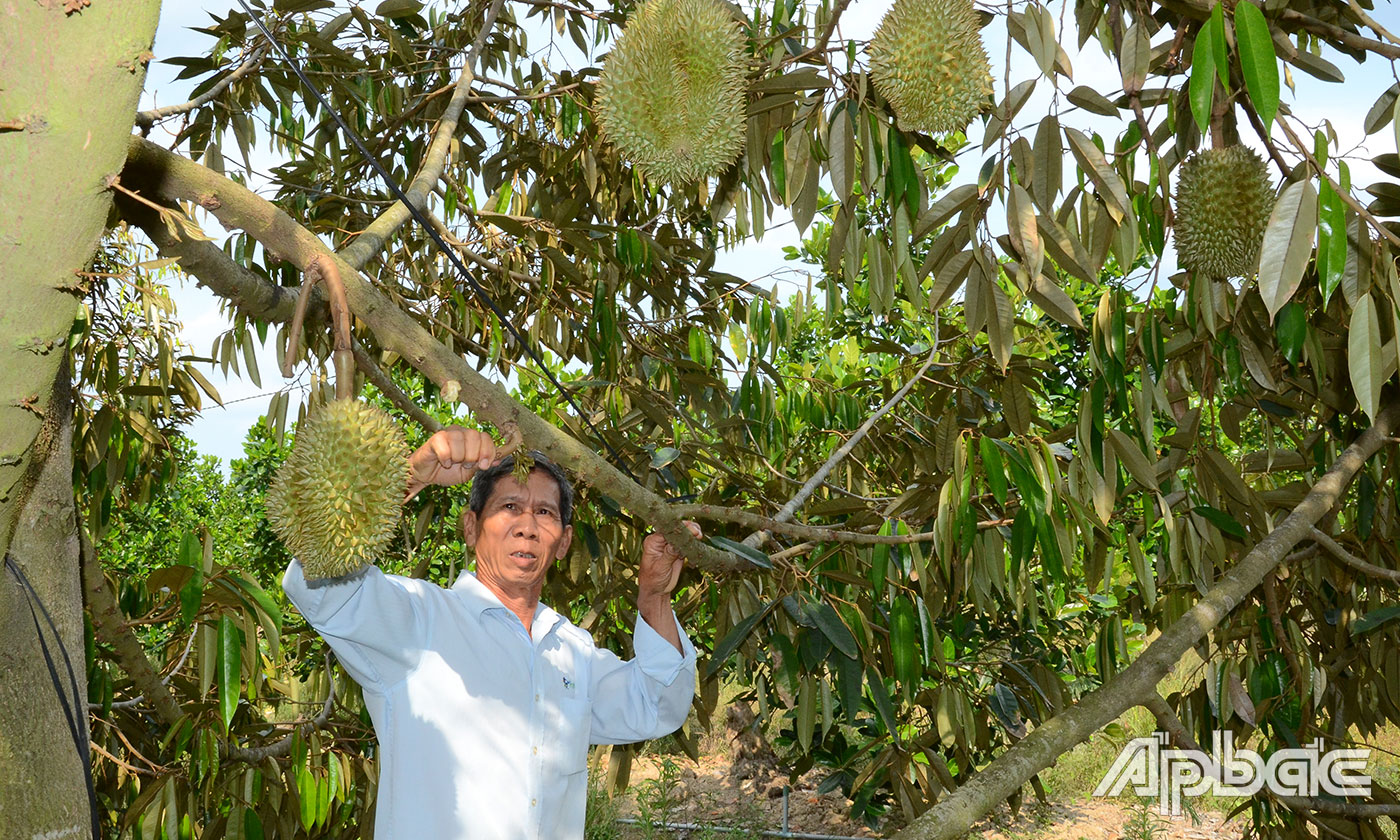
(480, 599)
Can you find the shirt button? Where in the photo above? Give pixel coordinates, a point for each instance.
(532, 803)
(537, 698)
(535, 750)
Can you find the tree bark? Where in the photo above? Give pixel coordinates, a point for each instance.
(69, 85)
(1136, 684)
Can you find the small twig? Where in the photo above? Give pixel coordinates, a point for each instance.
(148, 118)
(1338, 552)
(141, 698)
(97, 748)
(822, 40)
(1344, 195)
(758, 538)
(1367, 20)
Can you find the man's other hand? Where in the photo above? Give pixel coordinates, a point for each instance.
(661, 565)
(451, 456)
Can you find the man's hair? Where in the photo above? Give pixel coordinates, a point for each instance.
(484, 484)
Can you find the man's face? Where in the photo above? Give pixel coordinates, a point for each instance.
(518, 534)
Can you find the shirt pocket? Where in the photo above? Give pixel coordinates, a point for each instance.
(575, 722)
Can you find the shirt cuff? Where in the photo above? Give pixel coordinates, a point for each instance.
(657, 657)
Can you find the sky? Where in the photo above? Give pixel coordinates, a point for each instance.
(219, 431)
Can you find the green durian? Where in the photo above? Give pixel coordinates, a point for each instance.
(672, 95)
(927, 60)
(335, 501)
(1223, 202)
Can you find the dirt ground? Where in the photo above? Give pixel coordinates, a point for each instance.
(704, 793)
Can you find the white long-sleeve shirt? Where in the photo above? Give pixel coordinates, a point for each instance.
(483, 729)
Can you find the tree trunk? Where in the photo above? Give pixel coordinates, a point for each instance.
(42, 791)
(69, 85)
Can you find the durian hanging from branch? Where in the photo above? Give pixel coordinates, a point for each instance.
(335, 501)
(927, 60)
(1223, 202)
(672, 94)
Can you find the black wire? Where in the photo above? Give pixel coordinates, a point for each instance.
(447, 251)
(70, 712)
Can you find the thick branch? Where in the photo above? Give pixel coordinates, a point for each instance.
(953, 816)
(109, 623)
(368, 242)
(758, 538)
(1368, 569)
(168, 177)
(146, 119)
(818, 533)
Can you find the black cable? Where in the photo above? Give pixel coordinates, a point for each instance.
(447, 252)
(70, 712)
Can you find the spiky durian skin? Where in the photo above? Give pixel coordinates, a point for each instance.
(1223, 202)
(927, 60)
(672, 94)
(335, 501)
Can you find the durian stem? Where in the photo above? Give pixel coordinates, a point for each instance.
(324, 269)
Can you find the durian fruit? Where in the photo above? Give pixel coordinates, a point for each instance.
(335, 501)
(1223, 202)
(672, 94)
(927, 60)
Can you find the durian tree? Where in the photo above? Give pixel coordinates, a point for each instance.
(1026, 438)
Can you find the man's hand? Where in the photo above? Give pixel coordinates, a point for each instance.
(657, 574)
(451, 456)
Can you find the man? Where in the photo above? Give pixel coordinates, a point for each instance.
(484, 699)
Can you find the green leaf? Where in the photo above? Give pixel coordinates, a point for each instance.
(735, 637)
(701, 351)
(1201, 88)
(1258, 62)
(1292, 330)
(1331, 241)
(1364, 357)
(835, 630)
(904, 649)
(883, 704)
(663, 456)
(749, 553)
(1221, 520)
(230, 668)
(1093, 101)
(993, 468)
(1132, 458)
(1288, 242)
(398, 8)
(1214, 35)
(1095, 165)
(1374, 619)
(306, 796)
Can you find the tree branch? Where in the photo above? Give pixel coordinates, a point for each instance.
(368, 242)
(1201, 9)
(146, 119)
(1344, 195)
(109, 623)
(758, 538)
(1368, 569)
(170, 177)
(402, 401)
(1134, 685)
